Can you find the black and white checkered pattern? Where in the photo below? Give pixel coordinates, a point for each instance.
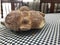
(48, 35)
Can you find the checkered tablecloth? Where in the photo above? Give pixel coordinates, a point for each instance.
(48, 35)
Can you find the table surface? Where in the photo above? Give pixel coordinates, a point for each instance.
(49, 34)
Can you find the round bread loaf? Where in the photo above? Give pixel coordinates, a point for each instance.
(25, 20)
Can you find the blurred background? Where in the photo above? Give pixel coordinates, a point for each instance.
(0, 8)
(45, 6)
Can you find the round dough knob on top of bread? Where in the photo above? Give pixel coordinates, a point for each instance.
(24, 8)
